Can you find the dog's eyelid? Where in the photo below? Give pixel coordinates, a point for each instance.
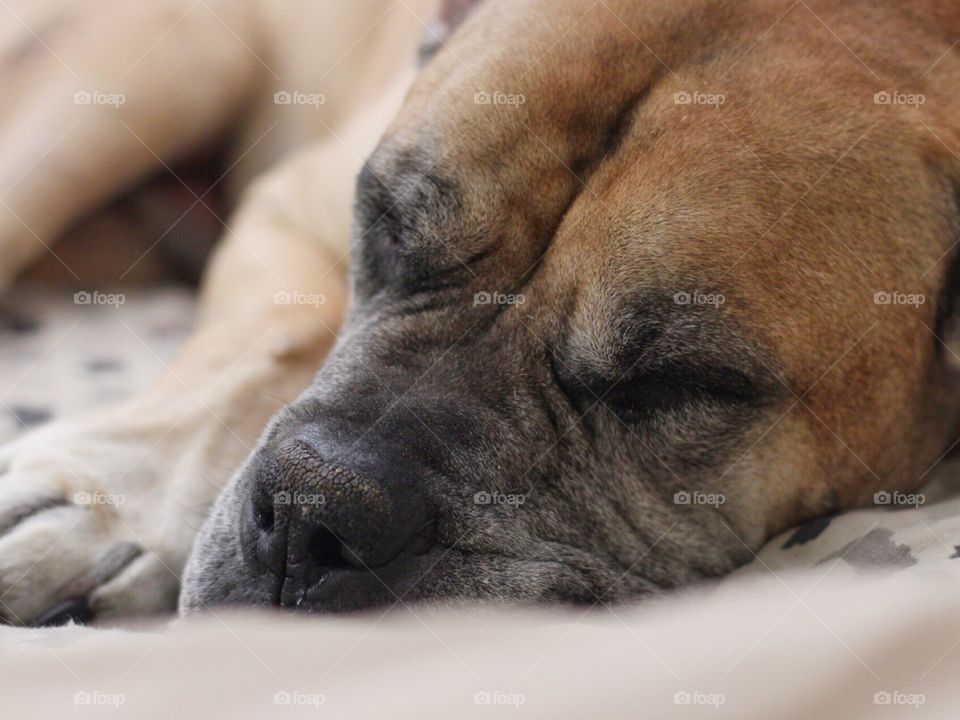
(637, 398)
(719, 380)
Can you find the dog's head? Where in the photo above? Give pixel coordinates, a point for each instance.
(636, 284)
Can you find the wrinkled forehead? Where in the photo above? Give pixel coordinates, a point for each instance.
(645, 108)
(516, 66)
(531, 99)
(613, 152)
(502, 132)
(573, 70)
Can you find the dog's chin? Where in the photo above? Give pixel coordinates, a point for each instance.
(217, 576)
(442, 576)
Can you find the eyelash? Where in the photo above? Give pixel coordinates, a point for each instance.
(643, 398)
(638, 403)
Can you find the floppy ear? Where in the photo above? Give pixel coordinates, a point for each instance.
(948, 312)
(948, 301)
(450, 14)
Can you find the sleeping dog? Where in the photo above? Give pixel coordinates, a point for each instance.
(633, 286)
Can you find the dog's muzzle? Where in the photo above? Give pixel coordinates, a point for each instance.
(362, 492)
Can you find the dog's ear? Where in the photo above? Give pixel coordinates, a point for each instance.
(948, 303)
(450, 15)
(948, 312)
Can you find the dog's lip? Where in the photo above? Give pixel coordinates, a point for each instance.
(336, 590)
(348, 589)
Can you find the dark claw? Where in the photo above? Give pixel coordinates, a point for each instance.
(75, 609)
(28, 510)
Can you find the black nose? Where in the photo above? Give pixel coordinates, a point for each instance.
(308, 517)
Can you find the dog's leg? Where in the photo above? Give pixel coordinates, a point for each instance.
(98, 516)
(94, 96)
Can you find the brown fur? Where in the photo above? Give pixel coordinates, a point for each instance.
(588, 188)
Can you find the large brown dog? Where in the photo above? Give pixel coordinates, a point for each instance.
(635, 285)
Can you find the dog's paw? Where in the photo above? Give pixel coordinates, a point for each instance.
(90, 525)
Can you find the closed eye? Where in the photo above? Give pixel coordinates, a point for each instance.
(673, 387)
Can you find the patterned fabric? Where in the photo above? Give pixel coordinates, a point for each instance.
(919, 535)
(61, 356)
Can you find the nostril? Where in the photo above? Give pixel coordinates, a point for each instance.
(327, 549)
(264, 517)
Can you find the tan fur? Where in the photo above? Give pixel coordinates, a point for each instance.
(250, 354)
(799, 198)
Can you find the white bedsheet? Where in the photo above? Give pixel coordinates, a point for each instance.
(799, 646)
